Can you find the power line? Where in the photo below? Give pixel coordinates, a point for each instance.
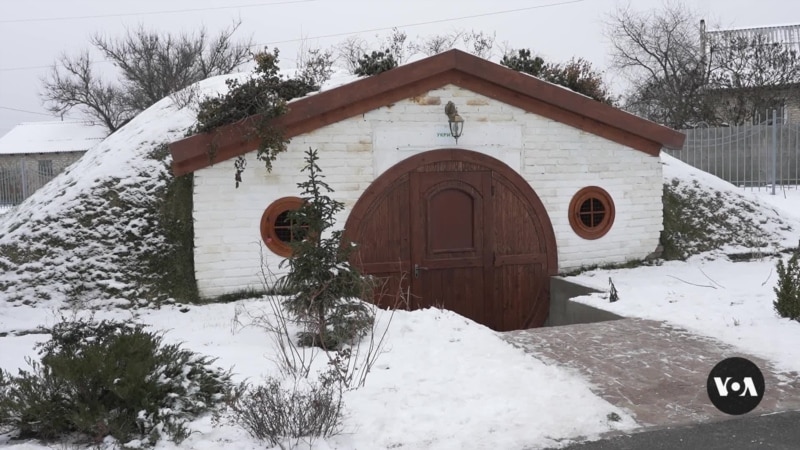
(150, 13)
(26, 111)
(324, 36)
(14, 69)
(508, 11)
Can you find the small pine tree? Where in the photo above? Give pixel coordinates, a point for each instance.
(328, 288)
(787, 302)
(375, 63)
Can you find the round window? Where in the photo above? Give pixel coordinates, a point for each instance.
(591, 212)
(277, 229)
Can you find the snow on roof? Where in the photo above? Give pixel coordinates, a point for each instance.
(52, 137)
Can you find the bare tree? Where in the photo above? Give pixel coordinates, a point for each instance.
(476, 42)
(480, 44)
(682, 76)
(75, 84)
(437, 43)
(360, 58)
(660, 55)
(350, 51)
(151, 66)
(752, 75)
(396, 44)
(314, 64)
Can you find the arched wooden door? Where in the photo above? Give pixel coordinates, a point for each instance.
(459, 230)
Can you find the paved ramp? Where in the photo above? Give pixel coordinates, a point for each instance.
(655, 371)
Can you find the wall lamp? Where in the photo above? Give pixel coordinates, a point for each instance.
(455, 121)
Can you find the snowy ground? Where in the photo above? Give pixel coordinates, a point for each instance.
(443, 381)
(446, 382)
(709, 294)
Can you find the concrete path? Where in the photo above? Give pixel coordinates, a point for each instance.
(654, 371)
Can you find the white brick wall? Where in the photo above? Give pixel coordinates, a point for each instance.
(556, 159)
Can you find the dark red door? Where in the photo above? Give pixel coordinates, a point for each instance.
(457, 230)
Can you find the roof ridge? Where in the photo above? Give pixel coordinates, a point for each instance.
(455, 67)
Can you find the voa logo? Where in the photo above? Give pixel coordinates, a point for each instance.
(735, 386)
(746, 386)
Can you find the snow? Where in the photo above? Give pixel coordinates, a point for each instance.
(725, 300)
(119, 155)
(778, 217)
(52, 137)
(67, 222)
(442, 381)
(709, 294)
(786, 198)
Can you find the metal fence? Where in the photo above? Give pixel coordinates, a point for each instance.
(21, 179)
(761, 155)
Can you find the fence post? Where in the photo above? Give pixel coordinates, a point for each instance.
(774, 147)
(24, 179)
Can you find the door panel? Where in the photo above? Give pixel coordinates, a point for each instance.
(520, 258)
(450, 221)
(383, 250)
(457, 289)
(449, 245)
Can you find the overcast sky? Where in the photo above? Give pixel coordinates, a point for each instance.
(33, 33)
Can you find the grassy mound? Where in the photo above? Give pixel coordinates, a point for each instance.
(703, 213)
(111, 246)
(114, 228)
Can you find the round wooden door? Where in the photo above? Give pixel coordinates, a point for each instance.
(458, 230)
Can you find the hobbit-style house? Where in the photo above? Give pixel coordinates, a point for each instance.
(541, 180)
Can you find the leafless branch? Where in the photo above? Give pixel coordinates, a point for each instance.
(709, 279)
(693, 284)
(768, 277)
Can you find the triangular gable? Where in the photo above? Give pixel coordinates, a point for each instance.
(451, 67)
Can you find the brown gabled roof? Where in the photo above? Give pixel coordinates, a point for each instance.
(451, 67)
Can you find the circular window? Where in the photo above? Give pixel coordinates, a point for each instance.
(591, 212)
(277, 230)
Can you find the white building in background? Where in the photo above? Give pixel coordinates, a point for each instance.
(32, 153)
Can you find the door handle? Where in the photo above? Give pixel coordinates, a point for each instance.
(417, 268)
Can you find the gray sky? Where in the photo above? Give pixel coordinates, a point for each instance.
(33, 33)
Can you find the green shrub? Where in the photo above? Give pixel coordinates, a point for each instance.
(787, 302)
(264, 96)
(110, 379)
(375, 63)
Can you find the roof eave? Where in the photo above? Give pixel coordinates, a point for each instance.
(454, 66)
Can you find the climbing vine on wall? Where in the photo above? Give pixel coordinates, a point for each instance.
(263, 98)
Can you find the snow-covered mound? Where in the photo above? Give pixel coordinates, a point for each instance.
(705, 213)
(97, 231)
